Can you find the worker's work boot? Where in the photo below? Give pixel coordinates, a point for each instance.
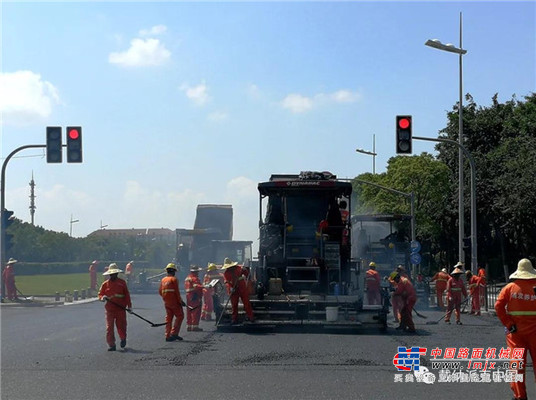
(176, 337)
(195, 328)
(171, 339)
(123, 343)
(111, 348)
(459, 322)
(447, 321)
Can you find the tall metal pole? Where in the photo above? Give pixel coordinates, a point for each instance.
(461, 214)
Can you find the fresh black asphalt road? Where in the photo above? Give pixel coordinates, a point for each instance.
(59, 352)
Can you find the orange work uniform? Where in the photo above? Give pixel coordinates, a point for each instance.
(129, 269)
(194, 297)
(474, 290)
(440, 278)
(208, 302)
(117, 291)
(455, 289)
(516, 305)
(234, 278)
(9, 281)
(406, 292)
(373, 282)
(169, 291)
(93, 276)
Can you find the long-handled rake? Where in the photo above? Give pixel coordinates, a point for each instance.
(439, 320)
(133, 313)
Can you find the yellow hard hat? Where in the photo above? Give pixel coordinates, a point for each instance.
(211, 267)
(372, 264)
(171, 266)
(394, 274)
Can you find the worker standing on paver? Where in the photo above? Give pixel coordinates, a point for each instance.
(440, 278)
(194, 298)
(455, 290)
(93, 275)
(235, 280)
(208, 292)
(373, 283)
(169, 291)
(516, 308)
(114, 292)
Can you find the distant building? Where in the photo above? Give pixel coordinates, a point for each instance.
(146, 234)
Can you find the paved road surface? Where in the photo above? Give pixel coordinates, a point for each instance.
(60, 353)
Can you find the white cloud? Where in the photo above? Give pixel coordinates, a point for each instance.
(253, 91)
(344, 96)
(26, 98)
(154, 31)
(198, 94)
(298, 103)
(217, 116)
(148, 52)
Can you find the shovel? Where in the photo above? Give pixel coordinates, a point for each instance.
(133, 313)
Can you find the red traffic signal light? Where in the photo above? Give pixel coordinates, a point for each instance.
(403, 134)
(74, 144)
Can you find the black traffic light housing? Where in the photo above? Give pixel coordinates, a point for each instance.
(74, 144)
(403, 134)
(54, 151)
(7, 220)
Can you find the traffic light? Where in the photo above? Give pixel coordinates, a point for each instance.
(54, 151)
(7, 220)
(74, 144)
(467, 244)
(403, 134)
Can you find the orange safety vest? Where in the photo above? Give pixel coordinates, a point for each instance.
(516, 305)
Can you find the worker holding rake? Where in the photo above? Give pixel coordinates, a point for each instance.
(114, 292)
(169, 291)
(455, 290)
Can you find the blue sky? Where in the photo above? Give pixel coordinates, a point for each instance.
(188, 103)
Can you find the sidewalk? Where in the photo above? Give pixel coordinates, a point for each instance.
(44, 301)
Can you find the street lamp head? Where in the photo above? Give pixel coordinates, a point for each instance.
(436, 44)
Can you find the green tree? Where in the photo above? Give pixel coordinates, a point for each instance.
(428, 179)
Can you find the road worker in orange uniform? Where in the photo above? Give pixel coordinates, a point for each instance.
(114, 292)
(235, 279)
(169, 291)
(129, 272)
(93, 275)
(194, 297)
(473, 282)
(455, 290)
(516, 308)
(406, 292)
(9, 280)
(208, 292)
(373, 282)
(440, 278)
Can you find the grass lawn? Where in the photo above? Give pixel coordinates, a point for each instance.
(48, 285)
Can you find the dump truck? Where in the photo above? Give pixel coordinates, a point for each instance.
(305, 274)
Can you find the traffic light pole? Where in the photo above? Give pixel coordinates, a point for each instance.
(474, 259)
(3, 208)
